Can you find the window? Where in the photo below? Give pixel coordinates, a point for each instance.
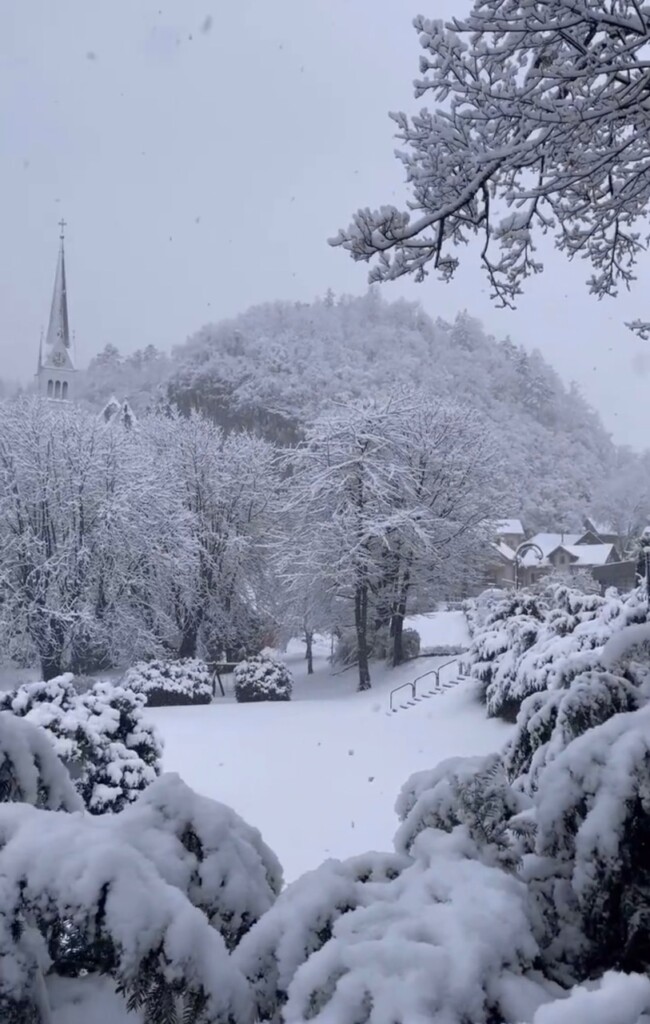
(50, 388)
(57, 389)
(64, 389)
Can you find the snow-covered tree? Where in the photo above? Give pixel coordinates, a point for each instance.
(384, 498)
(226, 487)
(82, 532)
(539, 125)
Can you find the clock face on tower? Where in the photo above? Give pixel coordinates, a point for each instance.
(58, 358)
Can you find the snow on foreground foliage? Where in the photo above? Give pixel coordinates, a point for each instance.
(152, 897)
(515, 894)
(110, 751)
(518, 891)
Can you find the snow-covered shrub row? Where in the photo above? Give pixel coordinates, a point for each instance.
(262, 678)
(101, 736)
(166, 683)
(529, 642)
(152, 897)
(443, 651)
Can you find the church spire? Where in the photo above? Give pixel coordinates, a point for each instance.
(56, 365)
(58, 331)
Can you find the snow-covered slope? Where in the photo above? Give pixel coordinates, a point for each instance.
(319, 775)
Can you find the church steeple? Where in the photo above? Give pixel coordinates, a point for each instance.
(55, 365)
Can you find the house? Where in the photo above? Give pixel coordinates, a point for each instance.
(118, 412)
(500, 567)
(510, 532)
(565, 552)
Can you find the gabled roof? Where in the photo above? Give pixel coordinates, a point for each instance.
(505, 551)
(585, 554)
(118, 412)
(548, 542)
(506, 526)
(600, 527)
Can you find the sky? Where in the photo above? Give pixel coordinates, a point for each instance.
(202, 152)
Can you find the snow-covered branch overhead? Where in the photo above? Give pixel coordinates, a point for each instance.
(539, 124)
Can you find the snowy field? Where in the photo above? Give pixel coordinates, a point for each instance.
(319, 775)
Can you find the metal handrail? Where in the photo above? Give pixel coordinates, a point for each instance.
(413, 686)
(402, 687)
(434, 672)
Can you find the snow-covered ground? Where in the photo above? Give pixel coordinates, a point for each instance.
(319, 775)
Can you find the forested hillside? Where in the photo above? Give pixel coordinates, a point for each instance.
(277, 366)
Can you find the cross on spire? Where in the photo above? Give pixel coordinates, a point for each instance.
(63, 225)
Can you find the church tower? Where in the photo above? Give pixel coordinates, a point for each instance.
(56, 369)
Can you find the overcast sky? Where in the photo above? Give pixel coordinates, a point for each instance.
(202, 153)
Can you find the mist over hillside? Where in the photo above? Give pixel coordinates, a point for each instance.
(276, 367)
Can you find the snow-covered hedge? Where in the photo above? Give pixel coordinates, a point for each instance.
(530, 642)
(101, 735)
(262, 678)
(443, 650)
(166, 683)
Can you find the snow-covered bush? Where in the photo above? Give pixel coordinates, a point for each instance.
(262, 678)
(166, 683)
(304, 919)
(443, 650)
(101, 736)
(531, 642)
(406, 941)
(204, 848)
(346, 651)
(30, 771)
(75, 875)
(410, 644)
(383, 642)
(473, 792)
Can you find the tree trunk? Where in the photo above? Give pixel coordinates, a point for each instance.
(309, 653)
(189, 638)
(397, 627)
(361, 626)
(397, 620)
(51, 666)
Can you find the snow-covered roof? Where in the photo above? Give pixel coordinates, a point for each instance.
(118, 412)
(548, 542)
(504, 550)
(505, 526)
(600, 527)
(589, 554)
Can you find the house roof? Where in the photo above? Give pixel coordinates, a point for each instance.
(590, 554)
(548, 542)
(505, 526)
(505, 551)
(599, 527)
